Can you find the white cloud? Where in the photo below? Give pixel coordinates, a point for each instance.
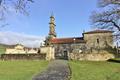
(12, 38)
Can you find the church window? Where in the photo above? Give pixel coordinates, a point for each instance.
(98, 41)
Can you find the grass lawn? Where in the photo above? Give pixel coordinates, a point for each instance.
(20, 70)
(2, 49)
(117, 59)
(86, 70)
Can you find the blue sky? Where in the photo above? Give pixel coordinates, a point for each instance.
(72, 17)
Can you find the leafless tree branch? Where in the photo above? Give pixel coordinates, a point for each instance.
(108, 16)
(103, 3)
(18, 5)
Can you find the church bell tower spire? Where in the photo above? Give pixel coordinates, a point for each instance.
(52, 32)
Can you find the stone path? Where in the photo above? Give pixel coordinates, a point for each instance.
(57, 70)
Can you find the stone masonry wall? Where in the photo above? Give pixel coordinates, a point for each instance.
(105, 39)
(22, 56)
(49, 51)
(92, 56)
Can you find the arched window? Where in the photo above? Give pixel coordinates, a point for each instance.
(98, 41)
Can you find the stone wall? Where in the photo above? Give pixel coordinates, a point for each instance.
(20, 49)
(91, 57)
(49, 51)
(23, 57)
(15, 51)
(100, 40)
(61, 48)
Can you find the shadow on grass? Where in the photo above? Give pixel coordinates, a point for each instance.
(114, 60)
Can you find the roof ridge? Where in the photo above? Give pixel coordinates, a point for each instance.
(98, 31)
(68, 38)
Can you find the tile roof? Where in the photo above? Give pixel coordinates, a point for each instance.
(98, 31)
(67, 40)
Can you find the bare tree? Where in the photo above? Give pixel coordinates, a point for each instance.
(17, 5)
(104, 3)
(107, 16)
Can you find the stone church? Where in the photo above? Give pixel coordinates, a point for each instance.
(89, 42)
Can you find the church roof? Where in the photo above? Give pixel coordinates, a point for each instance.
(98, 31)
(67, 40)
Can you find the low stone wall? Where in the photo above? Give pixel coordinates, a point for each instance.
(91, 57)
(23, 56)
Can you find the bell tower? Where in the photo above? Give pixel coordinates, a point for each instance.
(52, 25)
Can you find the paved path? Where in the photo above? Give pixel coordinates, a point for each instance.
(57, 70)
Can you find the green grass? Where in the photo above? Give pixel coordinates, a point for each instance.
(20, 70)
(86, 70)
(116, 59)
(2, 49)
